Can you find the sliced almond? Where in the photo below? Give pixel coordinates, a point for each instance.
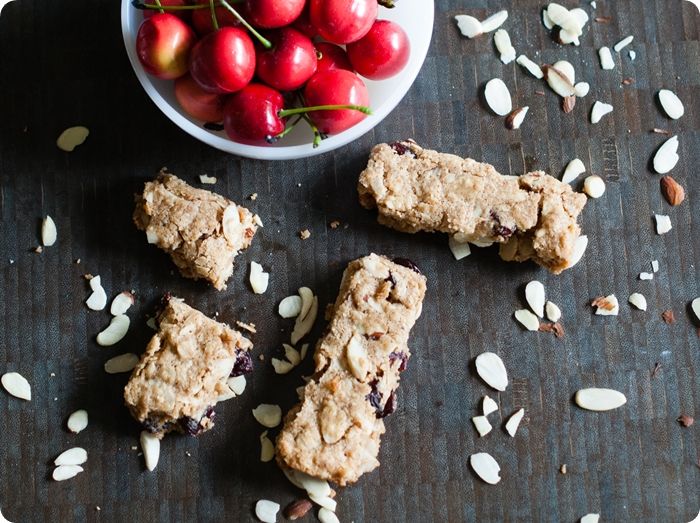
(530, 66)
(514, 422)
(494, 21)
(488, 406)
(236, 384)
(594, 186)
(638, 300)
(150, 445)
(17, 385)
(606, 59)
(567, 69)
(646, 276)
(515, 118)
(581, 89)
(590, 518)
(122, 363)
(558, 81)
(561, 16)
(356, 356)
(469, 26)
(121, 303)
(231, 224)
(580, 15)
(78, 421)
(65, 472)
(268, 415)
(498, 97)
(48, 232)
(666, 157)
(695, 305)
(599, 110)
(553, 312)
(502, 40)
(291, 354)
(663, 223)
(534, 295)
(327, 516)
(580, 246)
(655, 265)
(606, 305)
(98, 299)
(281, 366)
(546, 21)
(632, 55)
(290, 307)
(307, 298)
(266, 511)
(259, 279)
(527, 319)
(482, 425)
(205, 179)
(319, 488)
(326, 502)
(619, 46)
(72, 138)
(74, 456)
(115, 331)
(459, 250)
(267, 449)
(573, 170)
(303, 326)
(485, 467)
(567, 37)
(492, 370)
(671, 104)
(599, 399)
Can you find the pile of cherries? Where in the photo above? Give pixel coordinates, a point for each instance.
(256, 64)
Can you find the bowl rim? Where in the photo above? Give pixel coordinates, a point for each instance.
(290, 152)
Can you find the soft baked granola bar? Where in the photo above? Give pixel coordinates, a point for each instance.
(202, 231)
(334, 433)
(184, 370)
(532, 216)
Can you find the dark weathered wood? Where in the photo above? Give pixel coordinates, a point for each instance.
(63, 64)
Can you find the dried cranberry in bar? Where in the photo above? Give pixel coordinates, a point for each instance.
(184, 370)
(334, 433)
(202, 231)
(532, 217)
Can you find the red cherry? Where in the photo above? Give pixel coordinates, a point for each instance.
(183, 14)
(201, 18)
(303, 24)
(271, 14)
(251, 115)
(197, 102)
(289, 63)
(381, 53)
(336, 87)
(332, 57)
(343, 21)
(163, 45)
(224, 61)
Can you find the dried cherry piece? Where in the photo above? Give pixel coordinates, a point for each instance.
(407, 263)
(243, 365)
(402, 356)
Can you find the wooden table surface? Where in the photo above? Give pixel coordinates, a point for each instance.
(63, 64)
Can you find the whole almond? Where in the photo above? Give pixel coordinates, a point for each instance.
(298, 509)
(672, 191)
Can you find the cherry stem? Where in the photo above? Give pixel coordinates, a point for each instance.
(273, 139)
(214, 21)
(264, 41)
(317, 134)
(303, 110)
(160, 7)
(166, 8)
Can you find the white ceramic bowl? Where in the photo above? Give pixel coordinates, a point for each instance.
(415, 16)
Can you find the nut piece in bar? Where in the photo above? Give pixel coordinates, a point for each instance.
(201, 230)
(334, 432)
(533, 216)
(184, 371)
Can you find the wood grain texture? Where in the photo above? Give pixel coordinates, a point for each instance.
(63, 64)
